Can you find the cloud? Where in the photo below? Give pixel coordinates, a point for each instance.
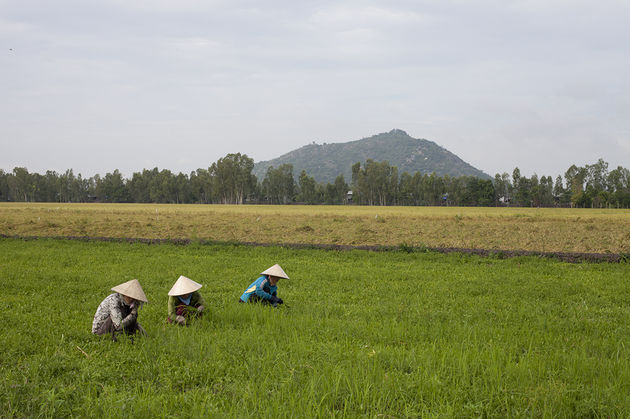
(340, 14)
(530, 83)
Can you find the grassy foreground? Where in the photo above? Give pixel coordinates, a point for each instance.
(363, 334)
(533, 229)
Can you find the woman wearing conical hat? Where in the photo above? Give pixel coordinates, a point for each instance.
(118, 312)
(265, 289)
(184, 301)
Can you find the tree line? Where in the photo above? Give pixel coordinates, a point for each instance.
(230, 181)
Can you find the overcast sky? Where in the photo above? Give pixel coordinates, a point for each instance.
(133, 84)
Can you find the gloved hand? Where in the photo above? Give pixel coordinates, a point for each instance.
(279, 300)
(181, 320)
(130, 319)
(200, 309)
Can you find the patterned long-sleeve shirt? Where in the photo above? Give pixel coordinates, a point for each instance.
(112, 306)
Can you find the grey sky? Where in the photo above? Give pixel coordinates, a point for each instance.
(100, 85)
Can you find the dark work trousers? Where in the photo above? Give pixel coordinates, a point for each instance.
(108, 327)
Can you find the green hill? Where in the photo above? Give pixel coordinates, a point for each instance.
(325, 162)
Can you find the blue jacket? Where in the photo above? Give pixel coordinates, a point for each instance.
(260, 287)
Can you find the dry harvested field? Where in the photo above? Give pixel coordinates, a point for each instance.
(533, 229)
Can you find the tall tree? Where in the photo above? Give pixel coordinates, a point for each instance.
(112, 188)
(575, 178)
(358, 183)
(376, 183)
(502, 188)
(516, 184)
(234, 178)
(546, 191)
(523, 194)
(278, 185)
(406, 190)
(433, 189)
(308, 189)
(4, 186)
(559, 193)
(202, 186)
(619, 187)
(19, 184)
(183, 194)
(596, 183)
(341, 190)
(140, 185)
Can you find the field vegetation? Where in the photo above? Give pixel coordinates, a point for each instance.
(371, 334)
(532, 229)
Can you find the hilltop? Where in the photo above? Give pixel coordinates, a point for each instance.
(325, 162)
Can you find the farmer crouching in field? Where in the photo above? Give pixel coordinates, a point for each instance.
(264, 289)
(118, 312)
(184, 301)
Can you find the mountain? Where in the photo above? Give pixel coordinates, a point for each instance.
(325, 162)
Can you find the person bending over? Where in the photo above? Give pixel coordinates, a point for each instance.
(184, 301)
(118, 312)
(265, 289)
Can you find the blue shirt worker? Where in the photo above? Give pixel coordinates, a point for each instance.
(265, 290)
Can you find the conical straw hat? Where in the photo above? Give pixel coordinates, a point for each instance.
(184, 286)
(131, 289)
(275, 270)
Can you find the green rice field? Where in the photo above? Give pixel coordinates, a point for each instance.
(362, 334)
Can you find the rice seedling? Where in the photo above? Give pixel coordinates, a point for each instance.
(373, 334)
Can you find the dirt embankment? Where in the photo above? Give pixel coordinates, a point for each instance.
(572, 257)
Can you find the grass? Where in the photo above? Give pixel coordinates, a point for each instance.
(533, 229)
(363, 334)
